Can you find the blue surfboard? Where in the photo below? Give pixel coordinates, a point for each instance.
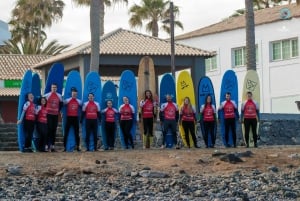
(36, 91)
(109, 92)
(167, 86)
(205, 88)
(25, 89)
(55, 75)
(229, 84)
(73, 80)
(128, 88)
(92, 84)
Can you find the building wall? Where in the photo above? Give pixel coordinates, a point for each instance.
(279, 80)
(9, 110)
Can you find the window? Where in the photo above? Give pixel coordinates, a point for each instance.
(239, 56)
(211, 64)
(284, 49)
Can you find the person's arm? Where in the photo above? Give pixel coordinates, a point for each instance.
(161, 116)
(117, 116)
(237, 115)
(21, 117)
(82, 116)
(98, 112)
(82, 112)
(99, 116)
(61, 103)
(257, 111)
(25, 106)
(79, 102)
(242, 112)
(66, 101)
(177, 116)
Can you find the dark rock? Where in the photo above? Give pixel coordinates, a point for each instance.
(231, 158)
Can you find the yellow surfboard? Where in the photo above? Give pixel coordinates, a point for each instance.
(185, 88)
(251, 83)
(146, 81)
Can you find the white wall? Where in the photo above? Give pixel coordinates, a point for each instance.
(4, 33)
(280, 80)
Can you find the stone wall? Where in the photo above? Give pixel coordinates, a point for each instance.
(280, 129)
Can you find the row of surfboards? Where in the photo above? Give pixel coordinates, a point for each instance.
(127, 87)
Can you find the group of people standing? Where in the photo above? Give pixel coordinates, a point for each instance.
(45, 115)
(249, 117)
(171, 114)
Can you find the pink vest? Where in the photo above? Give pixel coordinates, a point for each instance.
(170, 111)
(91, 110)
(72, 108)
(229, 110)
(30, 112)
(110, 115)
(250, 110)
(187, 115)
(53, 104)
(208, 113)
(126, 112)
(147, 109)
(42, 115)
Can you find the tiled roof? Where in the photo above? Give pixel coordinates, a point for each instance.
(125, 42)
(263, 16)
(9, 91)
(13, 66)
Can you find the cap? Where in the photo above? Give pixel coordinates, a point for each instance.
(74, 89)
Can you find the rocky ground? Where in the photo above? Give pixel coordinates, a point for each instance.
(265, 173)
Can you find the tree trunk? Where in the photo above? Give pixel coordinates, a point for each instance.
(102, 14)
(95, 34)
(250, 36)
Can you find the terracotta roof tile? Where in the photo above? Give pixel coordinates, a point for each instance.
(263, 16)
(13, 66)
(125, 42)
(9, 91)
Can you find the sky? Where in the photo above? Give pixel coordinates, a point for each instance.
(74, 27)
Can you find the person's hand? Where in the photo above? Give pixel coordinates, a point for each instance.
(19, 121)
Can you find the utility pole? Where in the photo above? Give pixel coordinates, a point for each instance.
(172, 40)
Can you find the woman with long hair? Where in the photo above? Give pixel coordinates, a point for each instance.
(42, 128)
(208, 116)
(147, 107)
(187, 119)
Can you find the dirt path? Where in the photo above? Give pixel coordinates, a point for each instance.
(194, 161)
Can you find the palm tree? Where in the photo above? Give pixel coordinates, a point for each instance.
(153, 12)
(29, 17)
(96, 26)
(103, 4)
(250, 36)
(32, 47)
